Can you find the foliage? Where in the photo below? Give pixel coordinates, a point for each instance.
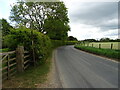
(5, 27)
(56, 29)
(116, 40)
(104, 39)
(71, 42)
(47, 17)
(90, 40)
(24, 36)
(56, 25)
(104, 52)
(71, 38)
(57, 43)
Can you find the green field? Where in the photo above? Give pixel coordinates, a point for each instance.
(106, 45)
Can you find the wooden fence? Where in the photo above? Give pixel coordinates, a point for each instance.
(14, 62)
(102, 45)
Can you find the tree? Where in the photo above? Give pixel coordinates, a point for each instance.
(56, 24)
(104, 39)
(48, 18)
(71, 38)
(29, 14)
(90, 40)
(5, 27)
(117, 40)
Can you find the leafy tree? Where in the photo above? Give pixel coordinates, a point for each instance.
(71, 38)
(56, 24)
(29, 14)
(90, 40)
(117, 40)
(5, 27)
(56, 29)
(48, 18)
(104, 39)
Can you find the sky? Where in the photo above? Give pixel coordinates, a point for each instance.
(91, 19)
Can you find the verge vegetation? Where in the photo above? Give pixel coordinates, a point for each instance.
(103, 52)
(30, 39)
(30, 78)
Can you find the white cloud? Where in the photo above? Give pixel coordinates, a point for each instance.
(92, 20)
(82, 31)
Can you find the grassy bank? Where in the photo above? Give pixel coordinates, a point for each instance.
(103, 52)
(30, 78)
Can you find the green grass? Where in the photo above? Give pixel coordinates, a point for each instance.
(104, 52)
(30, 78)
(105, 45)
(4, 50)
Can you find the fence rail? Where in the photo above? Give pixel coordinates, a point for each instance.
(13, 62)
(102, 45)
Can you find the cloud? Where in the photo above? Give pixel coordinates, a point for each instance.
(102, 14)
(93, 19)
(82, 31)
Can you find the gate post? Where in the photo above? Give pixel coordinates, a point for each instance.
(20, 58)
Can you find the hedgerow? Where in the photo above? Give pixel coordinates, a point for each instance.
(24, 36)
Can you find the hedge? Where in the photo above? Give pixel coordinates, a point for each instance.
(57, 43)
(71, 42)
(23, 36)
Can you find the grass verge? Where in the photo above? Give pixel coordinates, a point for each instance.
(30, 78)
(114, 54)
(4, 50)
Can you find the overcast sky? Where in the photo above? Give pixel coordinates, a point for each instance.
(87, 19)
(93, 19)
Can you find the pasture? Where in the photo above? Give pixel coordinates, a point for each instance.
(104, 45)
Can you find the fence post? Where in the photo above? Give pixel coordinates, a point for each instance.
(8, 68)
(92, 45)
(20, 58)
(99, 46)
(88, 44)
(33, 53)
(111, 45)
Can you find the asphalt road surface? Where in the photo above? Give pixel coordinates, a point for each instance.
(78, 69)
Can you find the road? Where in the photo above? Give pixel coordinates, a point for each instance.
(78, 69)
